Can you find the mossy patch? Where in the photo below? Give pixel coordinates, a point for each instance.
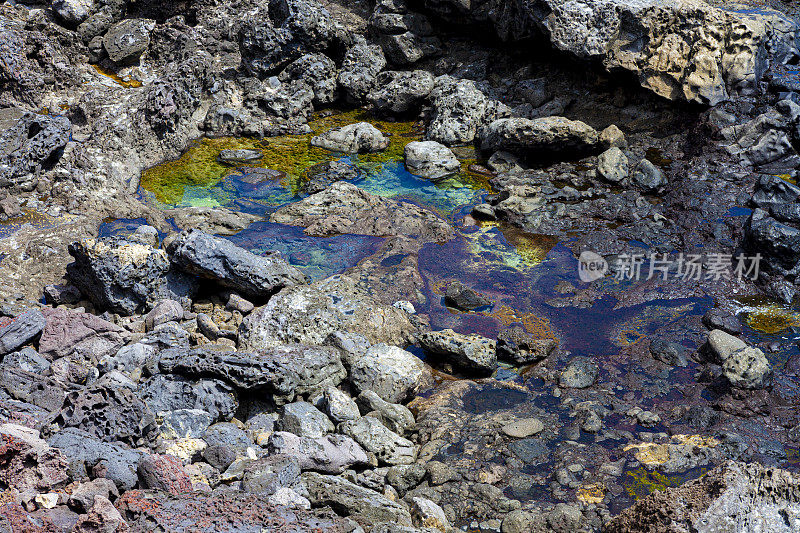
(641, 482)
(772, 319)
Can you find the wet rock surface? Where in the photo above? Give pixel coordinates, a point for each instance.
(546, 282)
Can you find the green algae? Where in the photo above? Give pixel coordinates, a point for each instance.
(198, 166)
(772, 319)
(641, 482)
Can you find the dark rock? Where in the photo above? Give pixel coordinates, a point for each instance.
(61, 294)
(516, 345)
(401, 91)
(125, 276)
(529, 451)
(32, 388)
(32, 144)
(648, 176)
(110, 414)
(266, 475)
(323, 174)
(227, 435)
(128, 39)
(316, 71)
(462, 297)
(219, 456)
(164, 393)
(18, 331)
(163, 312)
(28, 360)
(669, 353)
(359, 71)
(284, 371)
(222, 261)
(719, 319)
(117, 462)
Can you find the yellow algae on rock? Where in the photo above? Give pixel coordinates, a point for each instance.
(641, 482)
(127, 254)
(185, 449)
(772, 319)
(654, 455)
(592, 493)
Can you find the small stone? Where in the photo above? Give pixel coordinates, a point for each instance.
(358, 138)
(238, 157)
(612, 137)
(163, 312)
(748, 368)
(425, 513)
(46, 501)
(237, 303)
(339, 406)
(464, 298)
(523, 428)
(163, 472)
(18, 331)
(722, 345)
(304, 420)
(648, 176)
(581, 372)
(612, 165)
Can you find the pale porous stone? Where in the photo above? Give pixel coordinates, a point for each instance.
(389, 371)
(679, 49)
(430, 159)
(358, 138)
(541, 137)
(310, 313)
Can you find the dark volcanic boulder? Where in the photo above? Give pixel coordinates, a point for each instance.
(32, 144)
(284, 371)
(125, 276)
(18, 331)
(222, 261)
(117, 462)
(164, 393)
(110, 414)
(128, 39)
(149, 511)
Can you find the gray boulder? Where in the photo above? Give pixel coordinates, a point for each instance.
(359, 72)
(648, 176)
(394, 416)
(18, 331)
(430, 159)
(318, 72)
(339, 406)
(459, 110)
(331, 454)
(401, 91)
(389, 447)
(28, 360)
(391, 372)
(581, 372)
(118, 463)
(31, 144)
(304, 420)
(748, 368)
(164, 393)
(722, 345)
(268, 475)
(358, 138)
(125, 276)
(612, 165)
(362, 505)
(222, 261)
(322, 175)
(128, 39)
(471, 353)
(284, 371)
(73, 11)
(311, 313)
(541, 137)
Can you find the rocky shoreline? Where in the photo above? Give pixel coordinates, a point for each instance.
(310, 265)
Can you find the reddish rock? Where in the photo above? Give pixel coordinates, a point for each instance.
(29, 463)
(164, 472)
(67, 332)
(151, 511)
(16, 520)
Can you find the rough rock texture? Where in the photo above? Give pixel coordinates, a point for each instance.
(18, 331)
(309, 314)
(125, 276)
(391, 372)
(358, 138)
(732, 497)
(459, 111)
(221, 260)
(331, 454)
(359, 71)
(471, 353)
(681, 49)
(401, 92)
(127, 39)
(540, 138)
(31, 144)
(164, 393)
(148, 511)
(68, 332)
(363, 505)
(344, 208)
(389, 447)
(29, 463)
(430, 159)
(283, 370)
